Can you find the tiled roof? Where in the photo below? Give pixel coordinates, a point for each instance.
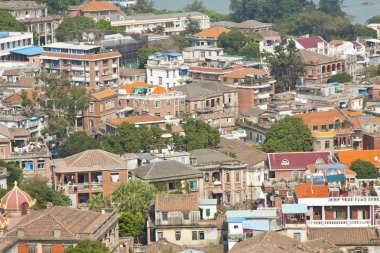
(336, 42)
(349, 156)
(342, 236)
(12, 72)
(27, 81)
(89, 160)
(268, 242)
(87, 57)
(355, 122)
(309, 190)
(209, 156)
(129, 88)
(136, 120)
(318, 245)
(39, 225)
(7, 244)
(94, 5)
(176, 202)
(244, 152)
(321, 118)
(309, 57)
(166, 170)
(296, 160)
(132, 72)
(245, 72)
(311, 42)
(104, 94)
(213, 32)
(199, 91)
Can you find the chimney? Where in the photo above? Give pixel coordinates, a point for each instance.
(49, 205)
(20, 232)
(57, 231)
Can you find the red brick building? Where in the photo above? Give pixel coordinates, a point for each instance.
(139, 121)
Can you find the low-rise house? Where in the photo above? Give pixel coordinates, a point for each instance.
(138, 121)
(256, 122)
(244, 224)
(208, 37)
(129, 76)
(178, 219)
(224, 176)
(245, 26)
(349, 156)
(315, 44)
(270, 39)
(197, 55)
(92, 8)
(87, 173)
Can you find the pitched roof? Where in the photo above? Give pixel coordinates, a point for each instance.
(132, 72)
(311, 42)
(309, 190)
(202, 90)
(176, 202)
(321, 118)
(310, 57)
(156, 89)
(136, 120)
(342, 236)
(26, 81)
(209, 156)
(12, 72)
(245, 72)
(166, 170)
(244, 152)
(40, 225)
(296, 160)
(15, 198)
(89, 160)
(212, 32)
(104, 94)
(94, 5)
(268, 242)
(318, 245)
(349, 156)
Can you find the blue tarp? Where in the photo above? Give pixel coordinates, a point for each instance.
(262, 225)
(235, 219)
(330, 166)
(294, 208)
(336, 178)
(28, 51)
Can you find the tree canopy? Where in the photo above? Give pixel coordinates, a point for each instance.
(55, 6)
(10, 23)
(141, 6)
(250, 50)
(374, 20)
(88, 246)
(341, 78)
(332, 7)
(143, 54)
(364, 169)
(199, 134)
(76, 143)
(192, 26)
(232, 42)
(289, 134)
(131, 225)
(14, 173)
(97, 202)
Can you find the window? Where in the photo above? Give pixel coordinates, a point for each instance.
(194, 235)
(228, 198)
(135, 103)
(31, 248)
(207, 179)
(201, 235)
(236, 226)
(105, 62)
(114, 177)
(331, 126)
(285, 162)
(160, 235)
(227, 177)
(177, 235)
(157, 104)
(318, 213)
(310, 71)
(338, 215)
(167, 73)
(160, 80)
(208, 212)
(186, 215)
(297, 236)
(203, 54)
(157, 114)
(41, 164)
(327, 144)
(237, 176)
(315, 128)
(295, 174)
(91, 108)
(248, 235)
(47, 248)
(324, 127)
(164, 216)
(193, 185)
(168, 103)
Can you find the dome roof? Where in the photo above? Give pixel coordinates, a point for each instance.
(13, 200)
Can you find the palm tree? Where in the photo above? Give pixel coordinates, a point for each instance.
(97, 202)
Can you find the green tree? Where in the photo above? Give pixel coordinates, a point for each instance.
(195, 5)
(332, 7)
(88, 246)
(142, 6)
(180, 41)
(55, 6)
(364, 169)
(131, 225)
(76, 143)
(286, 65)
(58, 127)
(341, 78)
(374, 20)
(364, 31)
(106, 26)
(72, 28)
(143, 54)
(38, 189)
(97, 202)
(251, 50)
(232, 41)
(10, 23)
(135, 197)
(289, 134)
(192, 26)
(199, 134)
(126, 140)
(14, 173)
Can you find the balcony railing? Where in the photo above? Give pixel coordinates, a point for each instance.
(338, 223)
(29, 155)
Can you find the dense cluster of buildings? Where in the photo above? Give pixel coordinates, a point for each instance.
(234, 198)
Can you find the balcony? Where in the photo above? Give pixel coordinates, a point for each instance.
(114, 65)
(78, 78)
(341, 201)
(338, 223)
(77, 67)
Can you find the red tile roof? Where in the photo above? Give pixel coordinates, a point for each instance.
(13, 200)
(136, 120)
(213, 32)
(104, 94)
(245, 72)
(94, 5)
(296, 160)
(321, 118)
(309, 190)
(176, 202)
(349, 156)
(311, 42)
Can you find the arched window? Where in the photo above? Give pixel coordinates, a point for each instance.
(24, 208)
(227, 177)
(285, 162)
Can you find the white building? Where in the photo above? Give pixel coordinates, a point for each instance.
(198, 54)
(125, 3)
(166, 69)
(208, 208)
(13, 40)
(376, 27)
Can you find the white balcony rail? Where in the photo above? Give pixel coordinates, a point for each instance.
(339, 223)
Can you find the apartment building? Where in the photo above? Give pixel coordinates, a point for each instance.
(208, 37)
(87, 173)
(166, 69)
(173, 23)
(82, 63)
(35, 16)
(11, 41)
(140, 98)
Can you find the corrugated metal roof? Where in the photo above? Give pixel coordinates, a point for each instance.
(28, 51)
(294, 208)
(262, 225)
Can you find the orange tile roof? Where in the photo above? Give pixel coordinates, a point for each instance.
(308, 190)
(94, 5)
(321, 118)
(213, 32)
(336, 42)
(377, 120)
(352, 113)
(104, 94)
(129, 88)
(355, 122)
(135, 120)
(349, 156)
(245, 72)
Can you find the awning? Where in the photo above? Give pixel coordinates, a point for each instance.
(262, 225)
(294, 208)
(336, 178)
(28, 51)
